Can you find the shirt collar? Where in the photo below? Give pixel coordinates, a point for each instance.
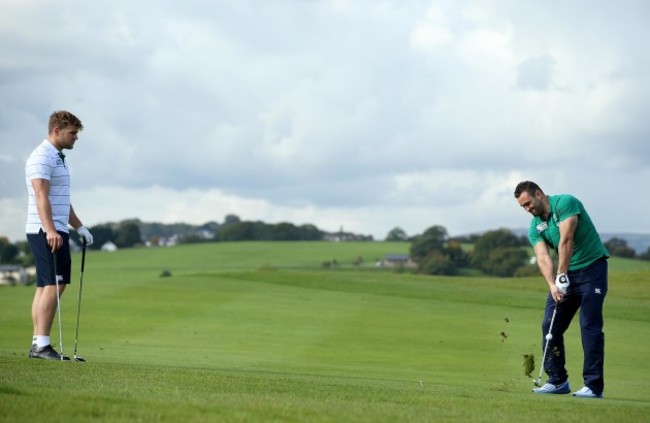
(50, 146)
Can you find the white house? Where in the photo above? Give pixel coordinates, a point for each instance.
(109, 246)
(11, 275)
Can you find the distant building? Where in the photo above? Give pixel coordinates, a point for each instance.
(109, 246)
(11, 275)
(395, 260)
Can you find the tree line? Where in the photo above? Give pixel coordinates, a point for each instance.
(497, 252)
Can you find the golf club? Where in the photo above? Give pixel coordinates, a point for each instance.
(81, 282)
(58, 306)
(549, 336)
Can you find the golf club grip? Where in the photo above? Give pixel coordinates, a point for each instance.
(56, 280)
(83, 256)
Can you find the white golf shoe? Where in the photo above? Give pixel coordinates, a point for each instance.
(549, 388)
(586, 393)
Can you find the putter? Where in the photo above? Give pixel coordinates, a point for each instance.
(58, 306)
(81, 282)
(549, 336)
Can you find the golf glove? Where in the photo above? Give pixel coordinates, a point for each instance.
(85, 235)
(562, 282)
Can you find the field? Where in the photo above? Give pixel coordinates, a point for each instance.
(245, 332)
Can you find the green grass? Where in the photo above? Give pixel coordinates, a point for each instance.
(260, 332)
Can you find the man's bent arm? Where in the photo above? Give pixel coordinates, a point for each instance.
(565, 248)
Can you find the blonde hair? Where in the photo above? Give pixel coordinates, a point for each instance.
(62, 119)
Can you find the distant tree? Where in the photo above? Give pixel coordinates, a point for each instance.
(128, 234)
(433, 239)
(25, 257)
(210, 227)
(4, 242)
(488, 243)
(437, 263)
(161, 230)
(462, 239)
(8, 251)
(228, 221)
(466, 239)
(9, 254)
(243, 231)
(191, 239)
(616, 242)
(456, 253)
(646, 255)
(505, 262)
(282, 232)
(101, 235)
(527, 270)
(260, 231)
(310, 232)
(618, 247)
(231, 219)
(397, 234)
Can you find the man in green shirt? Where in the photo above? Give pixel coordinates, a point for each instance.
(561, 223)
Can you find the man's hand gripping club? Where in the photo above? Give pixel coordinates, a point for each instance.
(561, 285)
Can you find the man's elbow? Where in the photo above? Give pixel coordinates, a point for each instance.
(566, 242)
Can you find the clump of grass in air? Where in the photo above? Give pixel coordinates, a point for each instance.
(529, 364)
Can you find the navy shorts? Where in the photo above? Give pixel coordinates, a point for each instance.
(44, 259)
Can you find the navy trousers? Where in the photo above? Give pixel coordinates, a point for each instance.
(586, 293)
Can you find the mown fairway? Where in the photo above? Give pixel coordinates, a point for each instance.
(262, 332)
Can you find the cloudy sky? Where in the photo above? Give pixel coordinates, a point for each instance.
(361, 114)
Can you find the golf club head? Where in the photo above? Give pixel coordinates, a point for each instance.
(79, 359)
(537, 382)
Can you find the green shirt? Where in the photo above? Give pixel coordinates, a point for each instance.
(587, 245)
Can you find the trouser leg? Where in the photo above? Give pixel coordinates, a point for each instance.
(555, 360)
(593, 288)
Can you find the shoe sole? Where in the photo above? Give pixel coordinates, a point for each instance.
(564, 391)
(50, 358)
(552, 393)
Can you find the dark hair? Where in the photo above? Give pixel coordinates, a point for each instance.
(527, 186)
(62, 119)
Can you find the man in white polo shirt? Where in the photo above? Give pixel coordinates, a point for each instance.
(49, 212)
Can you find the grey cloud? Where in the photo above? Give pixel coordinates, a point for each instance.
(536, 73)
(328, 103)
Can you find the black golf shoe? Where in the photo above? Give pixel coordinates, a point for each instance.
(47, 353)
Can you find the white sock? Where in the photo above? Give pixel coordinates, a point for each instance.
(42, 341)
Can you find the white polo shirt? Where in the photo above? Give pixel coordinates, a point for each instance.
(45, 163)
